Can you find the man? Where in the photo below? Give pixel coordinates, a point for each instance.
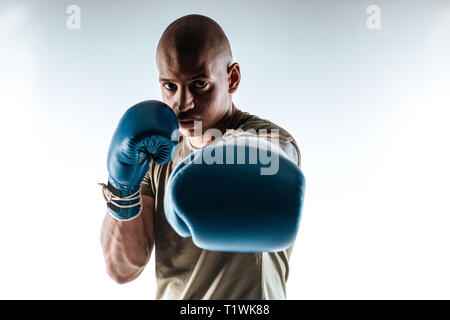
(197, 78)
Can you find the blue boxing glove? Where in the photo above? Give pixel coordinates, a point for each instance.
(240, 195)
(147, 131)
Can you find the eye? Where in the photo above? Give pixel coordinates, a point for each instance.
(199, 84)
(169, 86)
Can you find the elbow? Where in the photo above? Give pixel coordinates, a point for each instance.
(121, 277)
(124, 269)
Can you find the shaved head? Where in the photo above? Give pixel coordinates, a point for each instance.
(196, 73)
(193, 34)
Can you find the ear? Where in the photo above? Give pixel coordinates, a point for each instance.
(234, 77)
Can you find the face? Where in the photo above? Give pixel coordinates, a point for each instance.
(198, 85)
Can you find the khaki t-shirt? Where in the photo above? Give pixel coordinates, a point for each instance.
(184, 271)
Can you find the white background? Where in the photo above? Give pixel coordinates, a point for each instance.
(369, 109)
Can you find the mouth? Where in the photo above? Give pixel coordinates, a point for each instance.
(187, 123)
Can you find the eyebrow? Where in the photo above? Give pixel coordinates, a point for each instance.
(201, 75)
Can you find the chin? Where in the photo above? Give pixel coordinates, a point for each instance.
(186, 132)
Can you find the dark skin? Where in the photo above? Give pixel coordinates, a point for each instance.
(197, 85)
(197, 81)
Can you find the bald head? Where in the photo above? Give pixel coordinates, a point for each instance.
(193, 35)
(196, 73)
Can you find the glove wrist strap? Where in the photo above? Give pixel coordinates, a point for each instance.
(121, 207)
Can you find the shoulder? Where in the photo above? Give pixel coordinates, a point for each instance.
(249, 122)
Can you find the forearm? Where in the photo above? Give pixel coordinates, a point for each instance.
(125, 248)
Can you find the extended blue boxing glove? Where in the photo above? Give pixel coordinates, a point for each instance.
(146, 132)
(240, 195)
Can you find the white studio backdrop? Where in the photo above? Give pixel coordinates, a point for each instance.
(368, 102)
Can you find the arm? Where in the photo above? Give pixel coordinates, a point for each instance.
(143, 135)
(127, 245)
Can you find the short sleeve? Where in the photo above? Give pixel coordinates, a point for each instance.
(146, 185)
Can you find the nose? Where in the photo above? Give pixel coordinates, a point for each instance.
(185, 100)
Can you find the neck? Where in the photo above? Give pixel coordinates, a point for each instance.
(202, 140)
